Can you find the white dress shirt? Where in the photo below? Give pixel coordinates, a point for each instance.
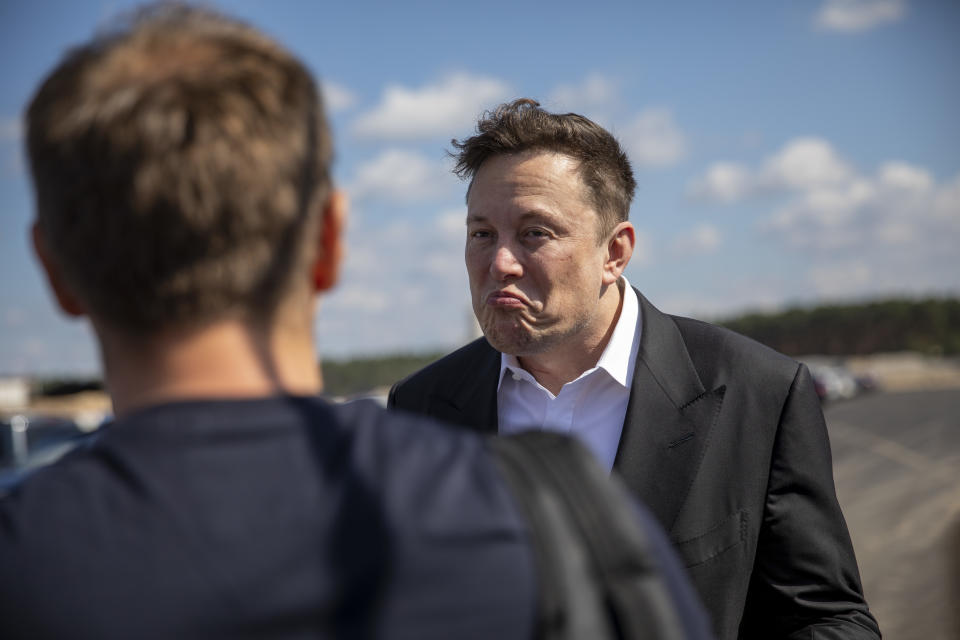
(593, 406)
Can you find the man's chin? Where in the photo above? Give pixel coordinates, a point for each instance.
(514, 340)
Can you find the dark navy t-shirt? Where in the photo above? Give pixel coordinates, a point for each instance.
(285, 517)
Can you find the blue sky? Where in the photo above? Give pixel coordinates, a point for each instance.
(786, 152)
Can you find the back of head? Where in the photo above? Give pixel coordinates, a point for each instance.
(524, 126)
(179, 162)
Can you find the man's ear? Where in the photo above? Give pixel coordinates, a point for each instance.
(619, 251)
(326, 268)
(66, 299)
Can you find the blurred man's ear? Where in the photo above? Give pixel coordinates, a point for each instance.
(68, 302)
(326, 269)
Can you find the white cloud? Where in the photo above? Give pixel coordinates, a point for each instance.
(441, 109)
(804, 163)
(399, 175)
(900, 206)
(701, 239)
(801, 164)
(338, 97)
(654, 139)
(899, 176)
(896, 232)
(723, 182)
(946, 204)
(892, 232)
(825, 217)
(594, 95)
(859, 15)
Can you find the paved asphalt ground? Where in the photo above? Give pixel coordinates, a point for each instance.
(897, 468)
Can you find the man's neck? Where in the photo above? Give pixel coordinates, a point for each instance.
(565, 363)
(227, 359)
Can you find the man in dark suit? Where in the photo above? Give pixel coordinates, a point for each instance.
(184, 204)
(723, 438)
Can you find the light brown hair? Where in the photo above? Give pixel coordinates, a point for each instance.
(180, 161)
(522, 125)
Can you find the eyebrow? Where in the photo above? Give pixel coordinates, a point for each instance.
(535, 215)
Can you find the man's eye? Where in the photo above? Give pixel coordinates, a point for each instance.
(536, 233)
(479, 234)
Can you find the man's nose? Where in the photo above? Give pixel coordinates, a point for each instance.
(505, 264)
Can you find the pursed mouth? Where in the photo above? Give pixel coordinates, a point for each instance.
(505, 299)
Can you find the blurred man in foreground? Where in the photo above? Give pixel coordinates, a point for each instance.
(184, 204)
(723, 438)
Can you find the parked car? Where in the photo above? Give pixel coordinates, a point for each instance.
(833, 381)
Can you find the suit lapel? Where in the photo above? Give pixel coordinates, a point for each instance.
(666, 428)
(668, 421)
(470, 399)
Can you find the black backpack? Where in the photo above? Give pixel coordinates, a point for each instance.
(597, 575)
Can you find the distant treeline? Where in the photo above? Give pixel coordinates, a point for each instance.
(929, 326)
(348, 377)
(65, 386)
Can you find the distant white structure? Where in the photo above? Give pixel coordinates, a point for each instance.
(14, 392)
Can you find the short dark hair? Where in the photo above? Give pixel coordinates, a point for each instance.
(180, 162)
(522, 125)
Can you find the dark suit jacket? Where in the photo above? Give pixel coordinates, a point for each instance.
(724, 440)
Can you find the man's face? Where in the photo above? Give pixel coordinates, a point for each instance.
(532, 255)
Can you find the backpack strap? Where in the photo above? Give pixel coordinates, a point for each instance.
(597, 574)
